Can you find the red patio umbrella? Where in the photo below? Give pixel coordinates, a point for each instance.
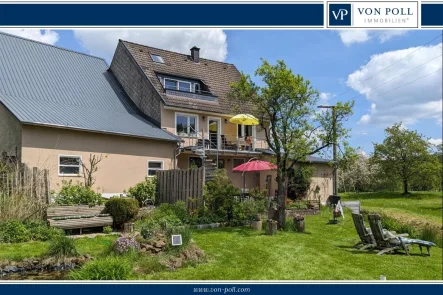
(253, 165)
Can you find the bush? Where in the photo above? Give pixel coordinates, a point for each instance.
(219, 195)
(431, 233)
(178, 209)
(144, 190)
(109, 268)
(107, 230)
(148, 228)
(14, 232)
(125, 244)
(122, 209)
(77, 194)
(300, 182)
(62, 246)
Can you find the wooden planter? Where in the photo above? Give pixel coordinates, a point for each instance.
(271, 227)
(256, 225)
(299, 225)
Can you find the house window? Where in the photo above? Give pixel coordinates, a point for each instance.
(157, 58)
(195, 162)
(186, 125)
(196, 88)
(69, 165)
(244, 131)
(178, 85)
(237, 162)
(154, 166)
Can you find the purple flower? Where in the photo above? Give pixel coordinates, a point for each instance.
(124, 244)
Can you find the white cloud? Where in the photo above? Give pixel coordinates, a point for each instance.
(103, 42)
(349, 37)
(418, 100)
(45, 36)
(324, 96)
(435, 141)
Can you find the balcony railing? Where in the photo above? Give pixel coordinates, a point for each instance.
(200, 94)
(224, 142)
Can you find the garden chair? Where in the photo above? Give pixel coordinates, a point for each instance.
(387, 242)
(366, 237)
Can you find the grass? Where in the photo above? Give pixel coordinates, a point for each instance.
(93, 246)
(323, 253)
(416, 209)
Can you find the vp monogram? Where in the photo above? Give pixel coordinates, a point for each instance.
(340, 14)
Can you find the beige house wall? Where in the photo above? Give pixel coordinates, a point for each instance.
(125, 158)
(10, 133)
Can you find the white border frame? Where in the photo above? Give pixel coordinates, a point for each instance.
(187, 115)
(219, 130)
(80, 169)
(156, 161)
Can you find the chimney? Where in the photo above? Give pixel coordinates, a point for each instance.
(195, 54)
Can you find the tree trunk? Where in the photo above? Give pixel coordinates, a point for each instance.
(405, 187)
(281, 199)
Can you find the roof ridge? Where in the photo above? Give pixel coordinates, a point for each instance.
(54, 46)
(222, 62)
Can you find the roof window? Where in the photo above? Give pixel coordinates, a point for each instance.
(157, 58)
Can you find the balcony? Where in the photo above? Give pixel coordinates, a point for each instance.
(224, 143)
(200, 94)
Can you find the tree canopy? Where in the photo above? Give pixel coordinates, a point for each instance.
(286, 106)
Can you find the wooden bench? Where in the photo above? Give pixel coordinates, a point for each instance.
(57, 217)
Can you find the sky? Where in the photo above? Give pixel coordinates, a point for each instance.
(393, 76)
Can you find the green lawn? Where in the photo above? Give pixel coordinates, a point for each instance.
(416, 208)
(324, 253)
(92, 246)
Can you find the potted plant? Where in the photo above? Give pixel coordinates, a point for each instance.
(271, 227)
(256, 222)
(299, 223)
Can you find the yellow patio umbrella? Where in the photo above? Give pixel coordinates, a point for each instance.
(244, 119)
(213, 126)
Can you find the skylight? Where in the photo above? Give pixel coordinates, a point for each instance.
(157, 58)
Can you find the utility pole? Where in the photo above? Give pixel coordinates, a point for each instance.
(334, 147)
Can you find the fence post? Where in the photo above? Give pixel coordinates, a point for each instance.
(46, 186)
(34, 182)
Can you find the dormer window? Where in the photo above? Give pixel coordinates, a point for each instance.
(157, 58)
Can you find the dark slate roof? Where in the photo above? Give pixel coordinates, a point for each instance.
(48, 85)
(217, 75)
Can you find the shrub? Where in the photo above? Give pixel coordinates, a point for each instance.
(107, 229)
(300, 182)
(122, 209)
(14, 232)
(148, 228)
(77, 194)
(40, 231)
(109, 268)
(219, 195)
(178, 209)
(125, 244)
(144, 190)
(62, 246)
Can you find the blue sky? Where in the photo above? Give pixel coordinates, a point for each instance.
(336, 62)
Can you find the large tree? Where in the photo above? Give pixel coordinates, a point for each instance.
(286, 106)
(403, 154)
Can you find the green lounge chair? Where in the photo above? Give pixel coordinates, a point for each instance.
(366, 237)
(389, 241)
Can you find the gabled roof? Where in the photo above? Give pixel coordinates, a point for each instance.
(217, 75)
(47, 85)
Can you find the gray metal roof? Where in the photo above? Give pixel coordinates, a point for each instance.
(48, 85)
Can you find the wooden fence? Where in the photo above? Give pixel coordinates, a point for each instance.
(24, 190)
(181, 185)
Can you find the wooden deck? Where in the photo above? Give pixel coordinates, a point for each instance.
(57, 214)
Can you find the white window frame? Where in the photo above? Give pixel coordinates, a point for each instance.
(178, 84)
(155, 169)
(80, 167)
(244, 161)
(189, 134)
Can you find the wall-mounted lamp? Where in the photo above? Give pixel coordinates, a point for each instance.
(226, 121)
(229, 160)
(204, 118)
